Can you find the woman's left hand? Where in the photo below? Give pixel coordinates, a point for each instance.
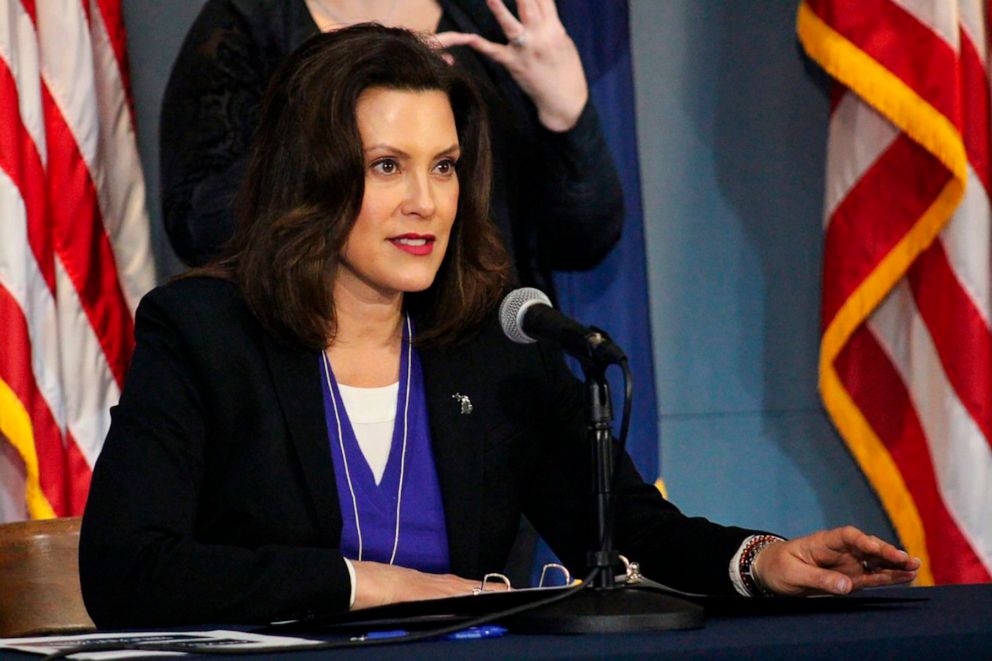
(541, 57)
(837, 561)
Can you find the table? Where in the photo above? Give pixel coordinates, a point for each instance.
(953, 622)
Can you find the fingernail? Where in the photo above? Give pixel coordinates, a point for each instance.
(841, 585)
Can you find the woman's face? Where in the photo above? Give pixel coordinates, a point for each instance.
(411, 192)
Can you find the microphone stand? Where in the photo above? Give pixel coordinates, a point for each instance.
(604, 606)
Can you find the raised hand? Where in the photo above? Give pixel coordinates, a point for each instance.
(540, 56)
(837, 561)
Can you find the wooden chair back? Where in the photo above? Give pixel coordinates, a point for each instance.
(39, 578)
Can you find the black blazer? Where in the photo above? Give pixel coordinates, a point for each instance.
(214, 497)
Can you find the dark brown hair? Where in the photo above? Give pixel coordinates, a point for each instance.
(306, 179)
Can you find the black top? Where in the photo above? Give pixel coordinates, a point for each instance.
(556, 199)
(214, 498)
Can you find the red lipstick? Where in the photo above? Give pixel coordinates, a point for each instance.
(414, 244)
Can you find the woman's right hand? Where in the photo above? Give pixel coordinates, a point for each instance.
(378, 584)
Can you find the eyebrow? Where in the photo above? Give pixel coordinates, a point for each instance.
(399, 152)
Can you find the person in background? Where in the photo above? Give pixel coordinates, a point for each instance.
(293, 434)
(556, 195)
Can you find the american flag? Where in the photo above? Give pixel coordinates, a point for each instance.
(906, 347)
(75, 252)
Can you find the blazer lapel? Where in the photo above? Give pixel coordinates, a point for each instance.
(296, 375)
(457, 442)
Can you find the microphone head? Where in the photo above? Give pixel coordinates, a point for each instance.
(514, 307)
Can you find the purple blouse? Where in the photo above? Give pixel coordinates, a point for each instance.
(369, 511)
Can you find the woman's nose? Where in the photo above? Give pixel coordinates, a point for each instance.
(419, 197)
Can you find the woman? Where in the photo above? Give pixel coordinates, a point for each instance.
(241, 469)
(567, 214)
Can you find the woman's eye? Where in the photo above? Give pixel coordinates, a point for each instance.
(445, 167)
(386, 166)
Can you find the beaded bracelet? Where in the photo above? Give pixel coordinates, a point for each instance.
(746, 564)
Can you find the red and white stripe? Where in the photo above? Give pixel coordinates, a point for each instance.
(74, 244)
(919, 367)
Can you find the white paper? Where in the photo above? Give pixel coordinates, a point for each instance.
(231, 639)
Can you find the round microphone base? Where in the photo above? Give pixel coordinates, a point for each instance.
(615, 610)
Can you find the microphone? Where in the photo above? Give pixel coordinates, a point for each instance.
(526, 315)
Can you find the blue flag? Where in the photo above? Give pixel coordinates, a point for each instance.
(614, 296)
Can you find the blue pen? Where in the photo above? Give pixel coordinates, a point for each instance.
(379, 635)
(477, 633)
(472, 633)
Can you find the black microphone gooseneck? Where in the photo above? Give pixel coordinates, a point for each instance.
(526, 316)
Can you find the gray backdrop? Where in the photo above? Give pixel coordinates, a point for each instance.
(732, 130)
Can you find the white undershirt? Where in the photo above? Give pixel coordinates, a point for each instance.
(372, 412)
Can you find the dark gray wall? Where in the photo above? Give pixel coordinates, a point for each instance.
(155, 30)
